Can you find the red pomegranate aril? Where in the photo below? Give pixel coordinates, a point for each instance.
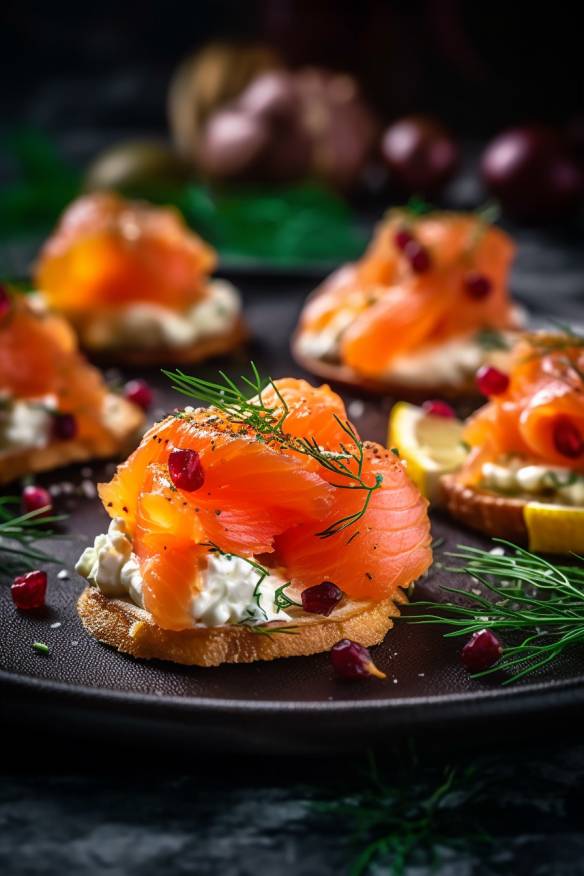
(482, 651)
(64, 427)
(491, 381)
(29, 591)
(139, 393)
(477, 285)
(418, 257)
(4, 301)
(402, 237)
(352, 660)
(34, 498)
(568, 439)
(185, 470)
(321, 598)
(435, 407)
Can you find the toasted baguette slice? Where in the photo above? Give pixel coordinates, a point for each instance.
(124, 430)
(346, 376)
(500, 516)
(217, 345)
(130, 629)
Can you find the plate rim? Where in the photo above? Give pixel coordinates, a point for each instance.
(566, 692)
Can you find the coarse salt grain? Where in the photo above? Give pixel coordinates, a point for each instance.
(88, 489)
(356, 408)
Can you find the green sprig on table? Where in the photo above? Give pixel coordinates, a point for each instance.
(19, 534)
(540, 604)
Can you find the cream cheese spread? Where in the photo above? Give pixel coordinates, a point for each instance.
(449, 363)
(232, 591)
(25, 424)
(145, 326)
(535, 480)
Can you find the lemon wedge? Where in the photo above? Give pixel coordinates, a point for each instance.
(554, 529)
(431, 446)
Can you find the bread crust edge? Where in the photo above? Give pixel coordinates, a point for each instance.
(500, 516)
(132, 630)
(217, 345)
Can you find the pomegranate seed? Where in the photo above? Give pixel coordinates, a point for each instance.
(35, 498)
(4, 301)
(568, 439)
(29, 591)
(139, 392)
(185, 470)
(418, 257)
(437, 408)
(491, 381)
(477, 286)
(64, 427)
(482, 651)
(352, 660)
(402, 237)
(321, 598)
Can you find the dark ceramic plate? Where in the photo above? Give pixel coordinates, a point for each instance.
(288, 705)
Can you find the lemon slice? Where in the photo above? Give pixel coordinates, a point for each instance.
(431, 446)
(554, 529)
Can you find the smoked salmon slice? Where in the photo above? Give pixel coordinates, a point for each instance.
(540, 416)
(107, 253)
(290, 481)
(39, 358)
(424, 281)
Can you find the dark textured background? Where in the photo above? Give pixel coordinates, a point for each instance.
(87, 76)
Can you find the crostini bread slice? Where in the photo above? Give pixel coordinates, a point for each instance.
(499, 516)
(206, 348)
(123, 431)
(125, 626)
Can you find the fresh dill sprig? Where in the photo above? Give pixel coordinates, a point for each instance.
(288, 630)
(400, 818)
(268, 424)
(281, 599)
(491, 339)
(539, 602)
(417, 206)
(20, 532)
(485, 216)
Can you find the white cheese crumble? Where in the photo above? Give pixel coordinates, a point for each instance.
(145, 326)
(537, 480)
(26, 424)
(448, 363)
(231, 592)
(111, 565)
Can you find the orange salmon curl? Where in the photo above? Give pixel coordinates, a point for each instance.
(259, 496)
(540, 416)
(423, 281)
(108, 252)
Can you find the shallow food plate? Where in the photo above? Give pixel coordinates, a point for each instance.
(294, 705)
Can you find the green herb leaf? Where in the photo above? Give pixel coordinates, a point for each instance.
(18, 535)
(491, 339)
(539, 603)
(40, 647)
